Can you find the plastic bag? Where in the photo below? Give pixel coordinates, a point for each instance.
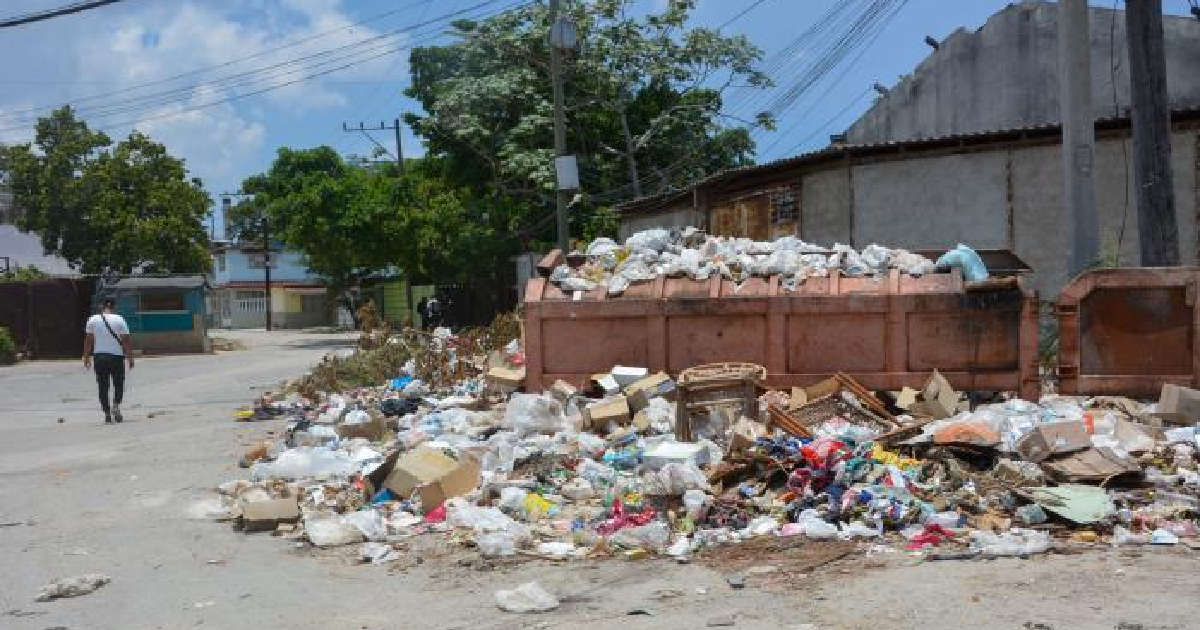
(369, 522)
(601, 246)
(876, 258)
(357, 416)
(534, 413)
(761, 526)
(577, 284)
(556, 549)
(298, 463)
(858, 529)
(496, 544)
(658, 240)
(331, 531)
(578, 489)
(526, 598)
(512, 499)
(674, 479)
(694, 501)
(378, 553)
(653, 536)
(966, 259)
(1015, 542)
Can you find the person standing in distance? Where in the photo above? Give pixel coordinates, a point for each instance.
(108, 345)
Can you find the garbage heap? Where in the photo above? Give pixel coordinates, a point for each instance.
(689, 252)
(637, 464)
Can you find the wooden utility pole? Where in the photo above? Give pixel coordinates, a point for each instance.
(1079, 132)
(266, 234)
(1151, 117)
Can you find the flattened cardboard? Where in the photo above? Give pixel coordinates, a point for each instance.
(906, 398)
(1053, 438)
(1179, 405)
(640, 392)
(941, 399)
(262, 516)
(507, 376)
(1093, 464)
(599, 415)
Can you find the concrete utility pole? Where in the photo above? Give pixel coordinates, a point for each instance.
(560, 131)
(1079, 132)
(1158, 235)
(266, 232)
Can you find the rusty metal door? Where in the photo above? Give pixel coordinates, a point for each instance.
(1128, 331)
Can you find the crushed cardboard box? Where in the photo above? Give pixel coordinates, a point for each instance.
(433, 475)
(940, 399)
(374, 430)
(1093, 464)
(1053, 438)
(266, 515)
(507, 376)
(612, 411)
(641, 391)
(1178, 405)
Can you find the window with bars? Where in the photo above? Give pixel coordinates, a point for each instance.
(784, 206)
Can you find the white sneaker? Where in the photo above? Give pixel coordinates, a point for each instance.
(117, 413)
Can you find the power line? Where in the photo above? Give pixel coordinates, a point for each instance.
(135, 88)
(39, 16)
(317, 69)
(740, 14)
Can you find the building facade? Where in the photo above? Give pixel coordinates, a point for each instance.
(239, 299)
(1005, 76)
(997, 190)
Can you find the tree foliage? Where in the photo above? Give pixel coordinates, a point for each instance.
(644, 98)
(23, 274)
(352, 220)
(104, 208)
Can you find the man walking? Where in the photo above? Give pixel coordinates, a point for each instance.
(107, 342)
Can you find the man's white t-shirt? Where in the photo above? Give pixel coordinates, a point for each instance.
(105, 342)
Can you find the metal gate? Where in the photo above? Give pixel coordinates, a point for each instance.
(46, 317)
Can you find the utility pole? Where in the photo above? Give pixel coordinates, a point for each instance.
(264, 227)
(1151, 118)
(266, 236)
(556, 41)
(395, 126)
(1078, 132)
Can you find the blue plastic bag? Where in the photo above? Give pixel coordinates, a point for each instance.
(966, 259)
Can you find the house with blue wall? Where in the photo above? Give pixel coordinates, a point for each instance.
(165, 315)
(239, 298)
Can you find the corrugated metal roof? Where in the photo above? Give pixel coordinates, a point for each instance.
(169, 282)
(633, 206)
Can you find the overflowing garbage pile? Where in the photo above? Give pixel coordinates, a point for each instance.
(689, 252)
(638, 464)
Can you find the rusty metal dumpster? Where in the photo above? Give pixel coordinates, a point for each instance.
(886, 333)
(1127, 331)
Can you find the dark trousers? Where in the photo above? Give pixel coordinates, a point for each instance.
(109, 366)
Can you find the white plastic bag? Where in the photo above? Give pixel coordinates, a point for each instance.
(653, 536)
(331, 531)
(1015, 542)
(369, 522)
(658, 240)
(298, 463)
(512, 500)
(534, 413)
(528, 597)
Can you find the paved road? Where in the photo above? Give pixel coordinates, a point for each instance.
(91, 497)
(80, 497)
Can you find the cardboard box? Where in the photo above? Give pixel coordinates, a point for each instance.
(906, 398)
(563, 391)
(1052, 439)
(266, 515)
(433, 475)
(507, 376)
(375, 430)
(1179, 405)
(941, 399)
(599, 415)
(641, 391)
(1093, 464)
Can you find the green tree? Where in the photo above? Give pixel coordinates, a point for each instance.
(644, 100)
(352, 219)
(126, 208)
(22, 274)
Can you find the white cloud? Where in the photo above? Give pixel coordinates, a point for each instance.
(118, 50)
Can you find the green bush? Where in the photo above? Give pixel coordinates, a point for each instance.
(8, 348)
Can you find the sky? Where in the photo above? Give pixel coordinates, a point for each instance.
(178, 70)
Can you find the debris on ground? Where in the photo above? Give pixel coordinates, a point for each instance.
(526, 598)
(76, 586)
(446, 443)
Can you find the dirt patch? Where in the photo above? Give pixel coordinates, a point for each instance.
(769, 561)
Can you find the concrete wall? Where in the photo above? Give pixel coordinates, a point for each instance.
(825, 203)
(667, 218)
(933, 203)
(1002, 196)
(1005, 75)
